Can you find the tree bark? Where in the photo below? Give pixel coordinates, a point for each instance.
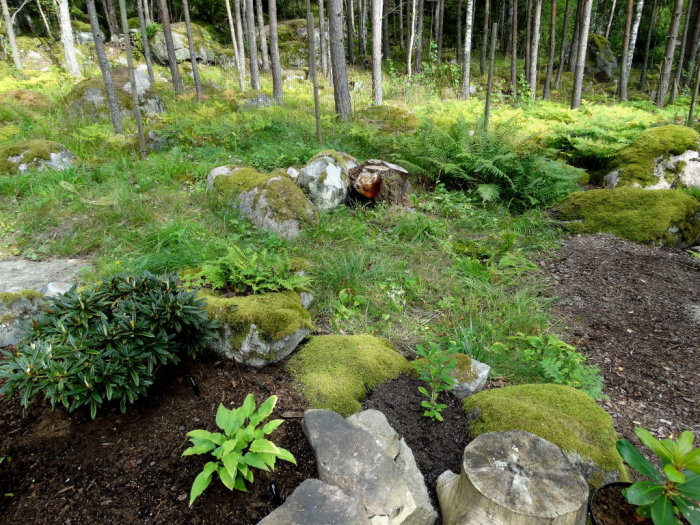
(528, 37)
(633, 36)
(275, 53)
(667, 64)
(647, 47)
(239, 32)
(67, 38)
(624, 74)
(485, 41)
(562, 50)
(323, 41)
(115, 113)
(420, 28)
(193, 54)
(263, 37)
(45, 21)
(581, 54)
(694, 99)
(349, 20)
(552, 50)
(459, 31)
(385, 30)
(240, 63)
(489, 81)
(402, 32)
(610, 19)
(11, 35)
(535, 50)
(132, 78)
(440, 27)
(144, 41)
(575, 37)
(362, 28)
(252, 45)
(312, 67)
(692, 55)
(341, 90)
(514, 49)
(178, 86)
(111, 16)
(377, 6)
(467, 53)
(681, 55)
(411, 37)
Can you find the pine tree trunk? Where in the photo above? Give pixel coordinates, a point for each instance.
(341, 90)
(111, 16)
(562, 49)
(322, 29)
(170, 47)
(552, 50)
(624, 74)
(385, 30)
(440, 27)
(377, 6)
(411, 37)
(10, 30)
(528, 37)
(514, 49)
(402, 32)
(647, 47)
(252, 45)
(485, 41)
(665, 76)
(144, 41)
(275, 53)
(610, 19)
(240, 33)
(535, 50)
(147, 12)
(115, 113)
(692, 55)
(240, 62)
(67, 38)
(489, 81)
(467, 53)
(263, 37)
(193, 53)
(459, 31)
(420, 28)
(312, 67)
(681, 55)
(581, 54)
(573, 52)
(694, 99)
(350, 23)
(362, 28)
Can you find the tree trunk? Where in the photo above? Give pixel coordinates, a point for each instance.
(440, 27)
(535, 50)
(667, 64)
(694, 99)
(312, 67)
(581, 54)
(144, 41)
(576, 36)
(193, 54)
(132, 78)
(252, 45)
(275, 53)
(111, 16)
(45, 21)
(147, 12)
(115, 113)
(362, 28)
(681, 55)
(610, 19)
(633, 36)
(420, 27)
(530, 482)
(647, 47)
(411, 38)
(377, 6)
(459, 31)
(489, 81)
(341, 90)
(67, 38)
(562, 50)
(322, 31)
(514, 49)
(170, 47)
(467, 53)
(552, 50)
(240, 62)
(624, 74)
(349, 20)
(385, 30)
(402, 32)
(485, 41)
(239, 33)
(11, 35)
(692, 56)
(528, 36)
(263, 37)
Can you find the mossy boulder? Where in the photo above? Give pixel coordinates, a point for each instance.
(293, 43)
(326, 178)
(25, 98)
(207, 50)
(601, 62)
(35, 53)
(271, 202)
(257, 330)
(34, 155)
(662, 217)
(90, 98)
(658, 158)
(332, 370)
(391, 117)
(567, 417)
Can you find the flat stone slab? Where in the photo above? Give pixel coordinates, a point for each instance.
(22, 274)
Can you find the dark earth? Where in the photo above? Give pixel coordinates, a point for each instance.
(609, 507)
(635, 312)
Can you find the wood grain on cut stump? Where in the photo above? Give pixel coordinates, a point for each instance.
(511, 478)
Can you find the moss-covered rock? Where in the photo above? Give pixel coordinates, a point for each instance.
(332, 370)
(391, 117)
(258, 329)
(667, 217)
(293, 43)
(34, 155)
(560, 414)
(601, 62)
(207, 49)
(326, 178)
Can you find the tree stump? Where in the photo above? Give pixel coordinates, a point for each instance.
(379, 181)
(513, 478)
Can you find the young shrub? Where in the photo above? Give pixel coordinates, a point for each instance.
(104, 343)
(434, 366)
(240, 448)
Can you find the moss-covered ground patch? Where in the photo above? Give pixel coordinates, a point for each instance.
(29, 150)
(636, 214)
(332, 370)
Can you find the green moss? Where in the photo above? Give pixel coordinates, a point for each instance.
(560, 414)
(598, 42)
(84, 27)
(242, 179)
(7, 319)
(463, 372)
(9, 298)
(25, 98)
(332, 370)
(120, 76)
(636, 214)
(390, 118)
(635, 162)
(30, 149)
(276, 315)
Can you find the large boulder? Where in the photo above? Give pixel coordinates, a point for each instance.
(206, 49)
(601, 62)
(562, 415)
(34, 155)
(257, 330)
(90, 98)
(661, 217)
(293, 43)
(325, 179)
(658, 158)
(271, 202)
(379, 181)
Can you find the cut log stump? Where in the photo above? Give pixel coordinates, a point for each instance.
(513, 478)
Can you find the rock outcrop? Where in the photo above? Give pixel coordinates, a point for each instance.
(34, 155)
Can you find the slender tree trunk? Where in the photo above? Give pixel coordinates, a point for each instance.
(377, 6)
(362, 28)
(132, 78)
(170, 47)
(111, 16)
(322, 29)
(11, 35)
(633, 36)
(147, 12)
(349, 20)
(45, 21)
(647, 47)
(341, 90)
(385, 30)
(610, 19)
(624, 73)
(240, 63)
(694, 99)
(467, 53)
(193, 53)
(692, 55)
(552, 50)
(411, 37)
(581, 54)
(528, 36)
(667, 64)
(440, 27)
(275, 52)
(485, 41)
(144, 41)
(239, 33)
(489, 82)
(420, 28)
(252, 46)
(312, 67)
(514, 49)
(576, 36)
(263, 37)
(115, 113)
(535, 50)
(402, 32)
(459, 31)
(67, 38)
(681, 55)
(562, 49)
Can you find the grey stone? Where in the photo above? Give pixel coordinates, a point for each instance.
(468, 388)
(601, 62)
(325, 179)
(57, 288)
(258, 101)
(374, 422)
(14, 312)
(306, 299)
(317, 503)
(672, 171)
(22, 274)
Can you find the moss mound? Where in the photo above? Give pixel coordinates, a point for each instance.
(120, 77)
(25, 98)
(644, 216)
(567, 417)
(635, 162)
(390, 118)
(30, 151)
(332, 370)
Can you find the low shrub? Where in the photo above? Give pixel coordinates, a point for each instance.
(105, 343)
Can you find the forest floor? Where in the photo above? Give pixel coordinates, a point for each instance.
(635, 312)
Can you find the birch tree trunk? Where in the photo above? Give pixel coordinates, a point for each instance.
(667, 64)
(552, 50)
(420, 27)
(411, 38)
(322, 31)
(193, 54)
(581, 54)
(362, 27)
(486, 34)
(633, 35)
(610, 19)
(132, 78)
(562, 50)
(240, 63)
(535, 50)
(239, 33)
(11, 35)
(377, 6)
(647, 46)
(341, 90)
(252, 46)
(263, 37)
(467, 53)
(624, 74)
(275, 53)
(170, 47)
(144, 41)
(514, 49)
(681, 55)
(67, 38)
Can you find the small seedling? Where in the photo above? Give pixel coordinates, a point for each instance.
(433, 366)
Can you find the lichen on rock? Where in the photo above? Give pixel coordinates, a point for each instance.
(326, 178)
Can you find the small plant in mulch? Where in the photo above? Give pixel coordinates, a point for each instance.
(434, 366)
(241, 448)
(665, 497)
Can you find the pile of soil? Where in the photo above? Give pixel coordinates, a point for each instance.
(437, 445)
(635, 312)
(128, 468)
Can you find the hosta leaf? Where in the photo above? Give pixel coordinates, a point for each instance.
(239, 484)
(254, 460)
(662, 512)
(226, 478)
(644, 492)
(286, 455)
(228, 420)
(271, 426)
(202, 481)
(230, 462)
(229, 445)
(264, 410)
(637, 461)
(248, 406)
(263, 445)
(199, 449)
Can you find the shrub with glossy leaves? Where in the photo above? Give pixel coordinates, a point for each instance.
(104, 343)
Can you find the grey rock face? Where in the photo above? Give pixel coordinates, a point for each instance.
(325, 179)
(673, 171)
(317, 503)
(601, 61)
(58, 160)
(468, 388)
(22, 274)
(14, 312)
(258, 101)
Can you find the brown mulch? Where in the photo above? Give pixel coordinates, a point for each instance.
(128, 468)
(635, 312)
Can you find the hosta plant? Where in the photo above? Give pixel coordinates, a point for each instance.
(434, 366)
(666, 495)
(240, 448)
